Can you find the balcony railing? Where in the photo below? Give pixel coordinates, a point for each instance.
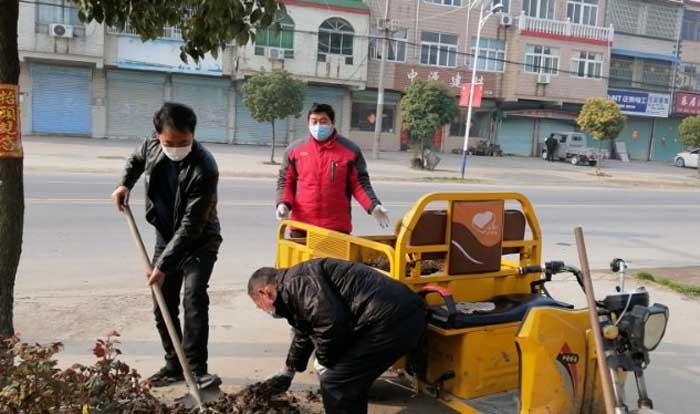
(172, 33)
(565, 29)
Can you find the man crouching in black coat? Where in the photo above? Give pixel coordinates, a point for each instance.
(358, 322)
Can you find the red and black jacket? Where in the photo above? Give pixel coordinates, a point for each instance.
(317, 180)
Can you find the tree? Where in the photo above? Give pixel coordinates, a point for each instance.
(689, 132)
(601, 119)
(427, 106)
(206, 25)
(272, 96)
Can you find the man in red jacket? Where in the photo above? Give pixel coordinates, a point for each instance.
(319, 174)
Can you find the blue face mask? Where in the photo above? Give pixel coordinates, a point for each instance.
(321, 132)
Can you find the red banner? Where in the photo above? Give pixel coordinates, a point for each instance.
(464, 95)
(10, 144)
(687, 103)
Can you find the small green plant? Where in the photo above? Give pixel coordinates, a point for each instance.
(689, 132)
(684, 288)
(602, 120)
(272, 96)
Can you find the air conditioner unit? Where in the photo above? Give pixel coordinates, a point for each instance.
(276, 54)
(544, 78)
(61, 30)
(506, 20)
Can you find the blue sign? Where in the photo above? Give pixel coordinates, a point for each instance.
(641, 103)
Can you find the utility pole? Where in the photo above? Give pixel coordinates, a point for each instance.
(380, 86)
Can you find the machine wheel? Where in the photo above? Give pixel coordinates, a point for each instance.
(575, 160)
(544, 155)
(679, 162)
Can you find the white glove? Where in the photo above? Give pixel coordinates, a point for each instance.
(381, 215)
(282, 211)
(320, 369)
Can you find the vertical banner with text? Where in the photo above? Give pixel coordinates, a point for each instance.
(10, 137)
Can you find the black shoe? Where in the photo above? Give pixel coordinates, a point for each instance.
(166, 376)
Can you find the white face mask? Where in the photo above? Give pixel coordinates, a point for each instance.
(177, 153)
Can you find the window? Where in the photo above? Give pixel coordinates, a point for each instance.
(542, 59)
(656, 74)
(582, 11)
(396, 50)
(363, 112)
(281, 37)
(455, 3)
(621, 71)
(691, 25)
(438, 49)
(476, 129)
(492, 55)
(335, 37)
(57, 11)
(688, 76)
(588, 65)
(543, 9)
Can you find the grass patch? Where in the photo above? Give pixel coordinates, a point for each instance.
(683, 288)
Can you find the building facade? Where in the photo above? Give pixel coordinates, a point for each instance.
(644, 64)
(539, 61)
(88, 80)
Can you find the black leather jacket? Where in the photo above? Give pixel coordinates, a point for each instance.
(332, 303)
(197, 226)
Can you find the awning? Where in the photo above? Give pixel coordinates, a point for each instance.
(644, 55)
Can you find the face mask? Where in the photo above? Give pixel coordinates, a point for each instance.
(321, 132)
(177, 153)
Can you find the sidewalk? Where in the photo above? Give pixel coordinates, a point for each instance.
(85, 155)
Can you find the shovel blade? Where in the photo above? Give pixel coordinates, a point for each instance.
(208, 390)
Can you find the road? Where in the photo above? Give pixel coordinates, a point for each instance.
(71, 225)
(79, 262)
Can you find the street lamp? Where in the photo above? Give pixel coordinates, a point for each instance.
(497, 8)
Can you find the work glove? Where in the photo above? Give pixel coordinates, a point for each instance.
(320, 369)
(282, 211)
(280, 382)
(381, 215)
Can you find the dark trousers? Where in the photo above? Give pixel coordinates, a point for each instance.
(345, 386)
(194, 274)
(551, 149)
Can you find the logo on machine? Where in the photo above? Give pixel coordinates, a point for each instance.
(567, 362)
(485, 223)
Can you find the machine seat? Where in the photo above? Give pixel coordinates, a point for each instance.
(509, 308)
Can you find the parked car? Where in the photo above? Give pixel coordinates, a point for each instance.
(573, 147)
(687, 159)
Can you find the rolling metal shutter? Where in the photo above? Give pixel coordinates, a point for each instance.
(515, 136)
(132, 99)
(61, 100)
(209, 98)
(250, 131)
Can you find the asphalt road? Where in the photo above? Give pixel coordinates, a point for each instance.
(79, 274)
(74, 236)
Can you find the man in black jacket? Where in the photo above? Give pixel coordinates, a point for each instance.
(358, 322)
(181, 196)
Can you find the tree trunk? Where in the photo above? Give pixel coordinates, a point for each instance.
(11, 184)
(698, 165)
(272, 154)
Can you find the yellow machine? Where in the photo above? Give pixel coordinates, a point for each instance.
(497, 342)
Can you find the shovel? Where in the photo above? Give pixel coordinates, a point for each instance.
(208, 389)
